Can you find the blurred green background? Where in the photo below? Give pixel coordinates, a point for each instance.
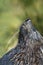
(12, 15)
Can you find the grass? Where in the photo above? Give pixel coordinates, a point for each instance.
(12, 15)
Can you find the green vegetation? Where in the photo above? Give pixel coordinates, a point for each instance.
(12, 15)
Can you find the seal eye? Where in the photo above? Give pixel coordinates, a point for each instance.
(41, 49)
(27, 20)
